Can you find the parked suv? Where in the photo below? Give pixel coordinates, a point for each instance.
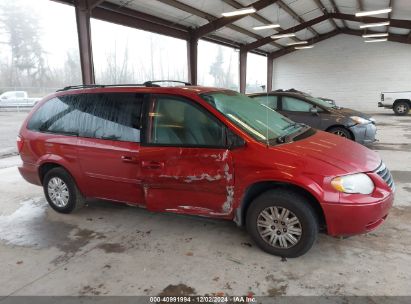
(320, 114)
(208, 152)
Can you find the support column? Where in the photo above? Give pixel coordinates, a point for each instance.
(243, 70)
(84, 39)
(270, 63)
(192, 54)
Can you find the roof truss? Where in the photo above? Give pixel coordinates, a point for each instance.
(122, 15)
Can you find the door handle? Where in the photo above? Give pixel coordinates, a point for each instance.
(152, 164)
(128, 159)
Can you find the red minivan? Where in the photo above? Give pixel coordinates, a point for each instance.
(203, 151)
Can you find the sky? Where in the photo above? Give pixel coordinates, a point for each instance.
(155, 54)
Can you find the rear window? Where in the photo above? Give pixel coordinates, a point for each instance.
(114, 116)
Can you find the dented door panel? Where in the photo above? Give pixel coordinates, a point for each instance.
(188, 180)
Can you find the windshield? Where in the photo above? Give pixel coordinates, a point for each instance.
(259, 121)
(321, 102)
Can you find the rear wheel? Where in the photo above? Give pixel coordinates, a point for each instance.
(61, 191)
(282, 223)
(340, 131)
(401, 108)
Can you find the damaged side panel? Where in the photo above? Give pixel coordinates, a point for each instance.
(190, 180)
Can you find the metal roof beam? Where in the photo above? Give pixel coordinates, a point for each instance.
(223, 21)
(191, 10)
(394, 22)
(256, 16)
(294, 29)
(142, 24)
(325, 12)
(360, 5)
(93, 3)
(391, 4)
(293, 14)
(291, 49)
(391, 37)
(337, 10)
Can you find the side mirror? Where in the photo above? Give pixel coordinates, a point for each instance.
(314, 110)
(234, 141)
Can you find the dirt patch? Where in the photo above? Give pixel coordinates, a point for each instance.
(408, 189)
(89, 290)
(401, 176)
(280, 287)
(72, 245)
(112, 247)
(177, 290)
(277, 291)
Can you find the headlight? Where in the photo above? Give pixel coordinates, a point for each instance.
(359, 120)
(354, 183)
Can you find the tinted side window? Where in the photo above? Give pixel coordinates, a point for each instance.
(295, 105)
(177, 122)
(51, 111)
(270, 101)
(114, 116)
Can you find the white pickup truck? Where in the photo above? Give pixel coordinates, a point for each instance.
(400, 102)
(17, 99)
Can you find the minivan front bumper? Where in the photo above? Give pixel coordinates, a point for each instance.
(351, 219)
(364, 133)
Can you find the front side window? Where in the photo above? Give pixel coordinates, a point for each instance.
(295, 105)
(178, 122)
(270, 101)
(114, 116)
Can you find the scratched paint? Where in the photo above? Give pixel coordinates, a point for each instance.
(228, 204)
(203, 176)
(228, 176)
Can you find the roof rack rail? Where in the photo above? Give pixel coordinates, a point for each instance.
(81, 86)
(152, 83)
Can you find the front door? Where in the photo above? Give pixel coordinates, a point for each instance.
(185, 165)
(298, 110)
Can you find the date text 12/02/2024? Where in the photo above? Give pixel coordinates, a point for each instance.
(202, 299)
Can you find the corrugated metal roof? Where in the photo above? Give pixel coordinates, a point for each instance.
(288, 13)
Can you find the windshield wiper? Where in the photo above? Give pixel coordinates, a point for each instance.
(293, 125)
(283, 138)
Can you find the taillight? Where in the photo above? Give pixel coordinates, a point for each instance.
(20, 143)
(382, 97)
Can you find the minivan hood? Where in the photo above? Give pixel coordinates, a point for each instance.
(349, 112)
(334, 150)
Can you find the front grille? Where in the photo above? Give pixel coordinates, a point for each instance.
(385, 174)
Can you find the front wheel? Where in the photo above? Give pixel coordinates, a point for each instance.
(340, 131)
(282, 223)
(401, 108)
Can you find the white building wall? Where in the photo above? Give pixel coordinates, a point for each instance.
(346, 69)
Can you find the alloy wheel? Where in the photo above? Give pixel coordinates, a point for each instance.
(58, 192)
(279, 227)
(340, 133)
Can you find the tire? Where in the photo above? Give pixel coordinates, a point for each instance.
(297, 206)
(401, 108)
(341, 131)
(66, 197)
